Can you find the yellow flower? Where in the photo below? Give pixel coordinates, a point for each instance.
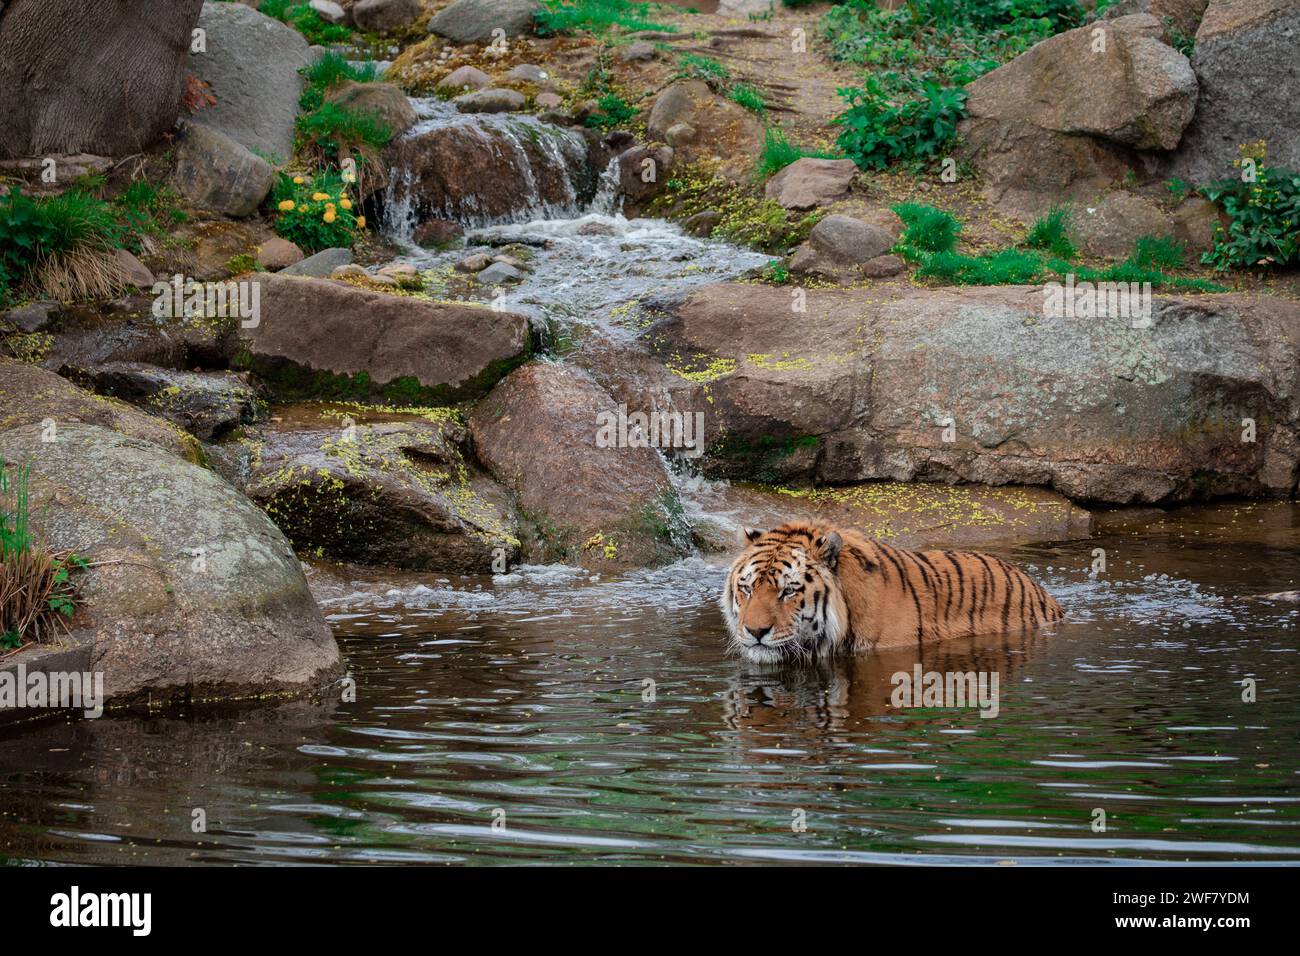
(286, 205)
(318, 196)
(361, 222)
(297, 180)
(329, 215)
(349, 176)
(345, 203)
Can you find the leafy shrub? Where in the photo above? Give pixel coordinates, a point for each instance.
(306, 21)
(883, 125)
(316, 213)
(1051, 232)
(1264, 219)
(778, 153)
(595, 16)
(926, 230)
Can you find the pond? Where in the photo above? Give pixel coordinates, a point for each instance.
(546, 716)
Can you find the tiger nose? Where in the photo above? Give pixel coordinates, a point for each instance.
(758, 633)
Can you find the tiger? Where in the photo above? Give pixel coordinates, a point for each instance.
(802, 591)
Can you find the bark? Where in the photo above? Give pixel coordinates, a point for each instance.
(91, 76)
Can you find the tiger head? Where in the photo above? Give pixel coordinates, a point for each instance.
(783, 600)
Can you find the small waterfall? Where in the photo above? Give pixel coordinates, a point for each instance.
(482, 169)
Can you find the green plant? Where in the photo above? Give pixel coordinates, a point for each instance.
(331, 132)
(1178, 190)
(750, 97)
(61, 244)
(889, 120)
(612, 111)
(778, 153)
(693, 66)
(329, 70)
(1180, 41)
(595, 16)
(1051, 232)
(306, 21)
(1158, 252)
(1263, 217)
(926, 230)
(316, 213)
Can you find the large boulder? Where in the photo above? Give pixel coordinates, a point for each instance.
(321, 337)
(809, 182)
(191, 591)
(723, 129)
(251, 65)
(91, 76)
(602, 504)
(490, 167)
(382, 15)
(34, 396)
(216, 173)
(1125, 85)
(381, 488)
(1245, 60)
(1183, 16)
(866, 387)
(472, 21)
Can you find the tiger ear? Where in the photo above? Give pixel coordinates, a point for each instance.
(751, 535)
(828, 549)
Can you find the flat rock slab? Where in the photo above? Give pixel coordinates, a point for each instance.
(321, 338)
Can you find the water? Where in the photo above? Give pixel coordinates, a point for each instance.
(524, 697)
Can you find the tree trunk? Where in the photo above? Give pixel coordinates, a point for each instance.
(91, 76)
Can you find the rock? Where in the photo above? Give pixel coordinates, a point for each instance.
(493, 168)
(321, 265)
(1245, 60)
(205, 404)
(807, 182)
(437, 233)
(527, 73)
(472, 21)
(1183, 15)
(702, 224)
(724, 129)
(215, 172)
(277, 253)
(1195, 222)
(680, 134)
(318, 337)
(474, 263)
(465, 78)
(843, 239)
(329, 11)
(744, 8)
(391, 490)
(1138, 92)
(32, 317)
(490, 100)
(601, 507)
(132, 270)
(251, 67)
(207, 246)
(404, 270)
(380, 16)
(882, 267)
(1092, 407)
(384, 100)
(34, 396)
(499, 273)
(639, 51)
(193, 591)
(349, 271)
(642, 171)
(548, 101)
(1111, 226)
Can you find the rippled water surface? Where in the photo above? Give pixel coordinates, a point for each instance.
(525, 701)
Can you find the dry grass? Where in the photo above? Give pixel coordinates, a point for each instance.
(33, 584)
(85, 273)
